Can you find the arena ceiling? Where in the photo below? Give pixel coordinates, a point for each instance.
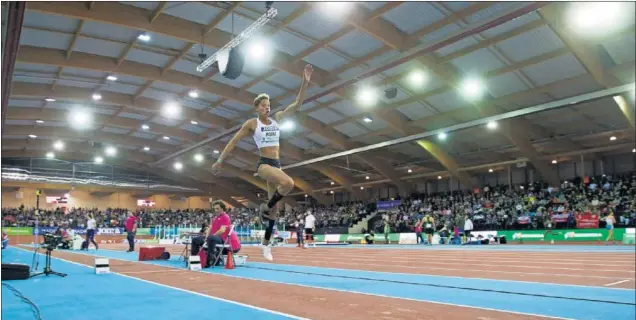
(140, 58)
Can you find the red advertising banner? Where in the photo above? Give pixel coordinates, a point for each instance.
(587, 220)
(560, 217)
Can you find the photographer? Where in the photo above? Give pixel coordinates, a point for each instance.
(369, 237)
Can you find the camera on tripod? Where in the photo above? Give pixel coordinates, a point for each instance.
(52, 241)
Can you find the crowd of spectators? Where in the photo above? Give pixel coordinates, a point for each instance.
(531, 206)
(490, 208)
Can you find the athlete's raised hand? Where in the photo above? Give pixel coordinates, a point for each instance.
(307, 72)
(216, 168)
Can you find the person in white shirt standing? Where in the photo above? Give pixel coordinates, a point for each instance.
(91, 227)
(310, 227)
(468, 227)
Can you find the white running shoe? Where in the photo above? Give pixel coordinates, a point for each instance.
(267, 253)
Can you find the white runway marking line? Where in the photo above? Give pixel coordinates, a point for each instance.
(150, 271)
(617, 282)
(420, 274)
(416, 253)
(455, 269)
(533, 261)
(392, 297)
(456, 277)
(182, 290)
(446, 262)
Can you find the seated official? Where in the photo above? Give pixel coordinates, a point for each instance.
(217, 234)
(369, 237)
(65, 243)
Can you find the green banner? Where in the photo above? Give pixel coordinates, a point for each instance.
(143, 231)
(561, 235)
(16, 231)
(511, 235)
(358, 237)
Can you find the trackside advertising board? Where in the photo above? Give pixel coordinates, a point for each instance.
(511, 235)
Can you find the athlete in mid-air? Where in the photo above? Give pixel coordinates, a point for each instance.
(266, 133)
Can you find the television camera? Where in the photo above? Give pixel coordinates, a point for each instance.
(51, 241)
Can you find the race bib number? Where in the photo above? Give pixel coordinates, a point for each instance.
(428, 225)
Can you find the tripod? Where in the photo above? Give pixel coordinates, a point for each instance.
(47, 267)
(35, 262)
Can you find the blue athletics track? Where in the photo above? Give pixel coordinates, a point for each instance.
(352, 282)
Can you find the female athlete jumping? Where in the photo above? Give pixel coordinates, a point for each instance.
(266, 134)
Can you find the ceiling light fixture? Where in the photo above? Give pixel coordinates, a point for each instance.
(245, 34)
(58, 145)
(144, 37)
(110, 151)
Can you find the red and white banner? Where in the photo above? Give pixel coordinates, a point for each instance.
(56, 200)
(523, 220)
(145, 203)
(560, 217)
(587, 220)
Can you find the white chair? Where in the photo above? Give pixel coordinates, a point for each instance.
(226, 245)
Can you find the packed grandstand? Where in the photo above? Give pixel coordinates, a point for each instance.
(492, 208)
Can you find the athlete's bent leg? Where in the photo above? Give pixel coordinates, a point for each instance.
(284, 183)
(279, 185)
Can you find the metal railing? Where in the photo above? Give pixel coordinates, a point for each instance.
(39, 170)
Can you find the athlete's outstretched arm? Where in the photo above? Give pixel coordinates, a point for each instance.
(292, 108)
(242, 133)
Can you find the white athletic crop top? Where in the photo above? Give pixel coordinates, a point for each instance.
(266, 135)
